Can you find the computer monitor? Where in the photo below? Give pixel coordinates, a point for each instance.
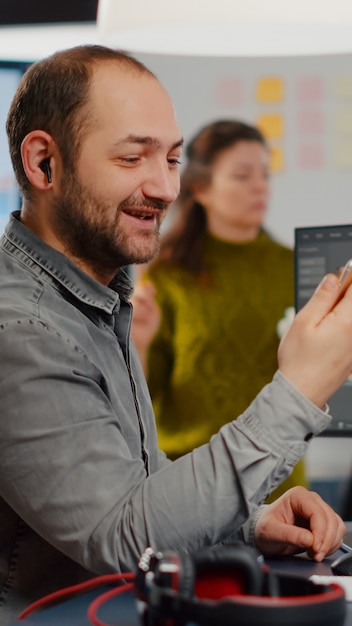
(10, 75)
(318, 250)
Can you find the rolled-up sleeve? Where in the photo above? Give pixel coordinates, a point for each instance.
(68, 471)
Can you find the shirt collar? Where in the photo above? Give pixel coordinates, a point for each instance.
(45, 259)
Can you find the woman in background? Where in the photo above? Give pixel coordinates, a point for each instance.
(221, 284)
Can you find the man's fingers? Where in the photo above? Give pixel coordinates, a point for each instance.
(327, 536)
(296, 537)
(326, 296)
(284, 539)
(315, 354)
(323, 299)
(299, 521)
(327, 528)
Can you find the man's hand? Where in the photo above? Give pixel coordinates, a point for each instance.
(315, 354)
(299, 521)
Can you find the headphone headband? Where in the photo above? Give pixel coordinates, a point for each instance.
(230, 586)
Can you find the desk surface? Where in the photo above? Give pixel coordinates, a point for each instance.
(121, 611)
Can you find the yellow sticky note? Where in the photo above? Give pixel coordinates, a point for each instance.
(276, 159)
(271, 125)
(343, 155)
(343, 122)
(344, 87)
(270, 90)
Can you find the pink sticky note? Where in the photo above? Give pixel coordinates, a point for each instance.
(310, 156)
(310, 88)
(310, 122)
(229, 91)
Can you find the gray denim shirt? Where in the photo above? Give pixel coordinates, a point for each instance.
(83, 486)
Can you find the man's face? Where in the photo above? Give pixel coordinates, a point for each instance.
(109, 210)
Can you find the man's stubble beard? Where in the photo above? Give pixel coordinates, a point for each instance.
(79, 223)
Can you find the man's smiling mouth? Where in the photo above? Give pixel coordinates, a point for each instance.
(141, 215)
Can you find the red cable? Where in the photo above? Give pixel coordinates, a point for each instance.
(104, 597)
(67, 591)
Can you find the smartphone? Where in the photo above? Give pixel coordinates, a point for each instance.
(345, 278)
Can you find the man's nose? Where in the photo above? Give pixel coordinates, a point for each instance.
(162, 182)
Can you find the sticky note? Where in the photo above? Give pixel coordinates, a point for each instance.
(229, 91)
(310, 156)
(271, 125)
(310, 122)
(343, 122)
(343, 87)
(270, 90)
(310, 88)
(343, 155)
(276, 159)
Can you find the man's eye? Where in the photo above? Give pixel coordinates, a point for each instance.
(130, 159)
(174, 161)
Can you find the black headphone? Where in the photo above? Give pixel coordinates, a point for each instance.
(45, 167)
(230, 587)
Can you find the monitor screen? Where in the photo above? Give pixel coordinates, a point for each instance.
(10, 75)
(319, 250)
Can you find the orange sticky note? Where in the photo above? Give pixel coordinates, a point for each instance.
(270, 89)
(271, 125)
(276, 159)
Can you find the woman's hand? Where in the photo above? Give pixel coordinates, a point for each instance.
(146, 319)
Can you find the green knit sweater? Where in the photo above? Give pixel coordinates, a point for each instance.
(217, 344)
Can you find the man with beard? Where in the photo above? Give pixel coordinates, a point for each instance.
(84, 488)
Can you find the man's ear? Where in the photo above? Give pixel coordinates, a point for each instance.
(37, 146)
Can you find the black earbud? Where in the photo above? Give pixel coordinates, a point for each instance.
(45, 167)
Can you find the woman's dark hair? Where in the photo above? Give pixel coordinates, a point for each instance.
(53, 95)
(182, 244)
